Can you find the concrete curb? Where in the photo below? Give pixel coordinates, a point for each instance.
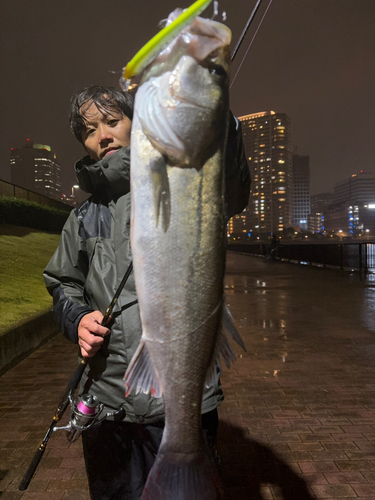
(17, 342)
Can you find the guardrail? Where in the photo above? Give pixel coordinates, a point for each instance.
(345, 256)
(11, 190)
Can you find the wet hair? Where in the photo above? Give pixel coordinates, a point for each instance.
(106, 99)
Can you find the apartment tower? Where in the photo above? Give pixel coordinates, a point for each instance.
(267, 141)
(34, 167)
(301, 191)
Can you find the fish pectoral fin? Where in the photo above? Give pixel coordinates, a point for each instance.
(161, 191)
(141, 375)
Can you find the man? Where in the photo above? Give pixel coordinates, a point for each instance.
(83, 276)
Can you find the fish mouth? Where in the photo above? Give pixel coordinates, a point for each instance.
(109, 151)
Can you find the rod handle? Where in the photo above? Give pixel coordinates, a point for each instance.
(32, 468)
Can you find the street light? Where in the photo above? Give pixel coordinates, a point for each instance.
(74, 194)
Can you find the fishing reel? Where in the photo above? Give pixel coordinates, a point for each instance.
(84, 414)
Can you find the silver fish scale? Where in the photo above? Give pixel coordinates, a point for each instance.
(177, 238)
(179, 276)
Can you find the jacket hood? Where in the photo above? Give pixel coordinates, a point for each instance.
(110, 174)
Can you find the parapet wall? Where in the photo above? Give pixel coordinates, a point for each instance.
(18, 342)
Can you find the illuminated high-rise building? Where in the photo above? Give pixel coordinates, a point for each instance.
(267, 141)
(237, 225)
(359, 188)
(301, 191)
(352, 212)
(34, 167)
(319, 203)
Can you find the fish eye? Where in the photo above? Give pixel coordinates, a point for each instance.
(217, 70)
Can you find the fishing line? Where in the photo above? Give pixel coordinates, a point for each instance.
(250, 44)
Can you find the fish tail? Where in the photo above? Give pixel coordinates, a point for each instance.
(172, 477)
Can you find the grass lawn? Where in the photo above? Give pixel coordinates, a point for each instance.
(24, 254)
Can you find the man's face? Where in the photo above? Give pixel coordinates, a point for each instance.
(105, 132)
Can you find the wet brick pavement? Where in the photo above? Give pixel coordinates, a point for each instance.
(298, 421)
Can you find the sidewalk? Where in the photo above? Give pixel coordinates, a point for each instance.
(298, 421)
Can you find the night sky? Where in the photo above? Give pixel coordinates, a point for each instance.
(312, 59)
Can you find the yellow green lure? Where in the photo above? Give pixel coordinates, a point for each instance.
(152, 48)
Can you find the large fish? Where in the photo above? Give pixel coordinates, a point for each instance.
(177, 238)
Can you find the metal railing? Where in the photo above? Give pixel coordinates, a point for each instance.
(12, 191)
(358, 256)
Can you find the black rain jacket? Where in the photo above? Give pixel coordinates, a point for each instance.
(93, 255)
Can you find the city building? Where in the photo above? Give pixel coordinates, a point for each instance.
(300, 191)
(359, 188)
(75, 197)
(352, 212)
(34, 167)
(237, 226)
(319, 203)
(267, 141)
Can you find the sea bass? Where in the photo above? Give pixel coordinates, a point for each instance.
(177, 238)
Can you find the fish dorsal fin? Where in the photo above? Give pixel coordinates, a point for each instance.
(141, 375)
(228, 324)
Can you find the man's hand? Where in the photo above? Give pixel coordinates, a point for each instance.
(91, 334)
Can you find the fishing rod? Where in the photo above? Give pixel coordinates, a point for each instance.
(243, 34)
(251, 42)
(86, 413)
